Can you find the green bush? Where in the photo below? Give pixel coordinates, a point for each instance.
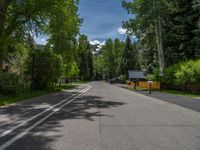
(169, 74)
(151, 77)
(122, 78)
(10, 84)
(184, 73)
(47, 69)
(188, 73)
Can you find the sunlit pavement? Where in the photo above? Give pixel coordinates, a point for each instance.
(102, 117)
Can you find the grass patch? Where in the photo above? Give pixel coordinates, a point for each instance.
(33, 93)
(66, 87)
(79, 82)
(180, 93)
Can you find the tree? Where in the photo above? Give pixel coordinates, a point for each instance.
(117, 52)
(130, 57)
(99, 67)
(71, 71)
(90, 65)
(148, 15)
(19, 19)
(107, 52)
(85, 62)
(175, 25)
(47, 69)
(182, 33)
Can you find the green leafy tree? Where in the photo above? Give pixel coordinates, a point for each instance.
(107, 52)
(99, 67)
(90, 65)
(118, 52)
(148, 19)
(182, 33)
(172, 27)
(47, 69)
(85, 59)
(71, 71)
(130, 57)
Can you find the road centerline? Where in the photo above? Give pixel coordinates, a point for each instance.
(27, 130)
(4, 133)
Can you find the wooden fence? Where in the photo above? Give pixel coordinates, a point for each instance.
(145, 85)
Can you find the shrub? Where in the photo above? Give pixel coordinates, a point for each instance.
(169, 74)
(122, 78)
(47, 69)
(188, 73)
(128, 82)
(151, 77)
(10, 84)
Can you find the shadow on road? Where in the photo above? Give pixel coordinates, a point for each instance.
(83, 108)
(29, 108)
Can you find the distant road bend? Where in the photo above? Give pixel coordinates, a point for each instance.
(98, 116)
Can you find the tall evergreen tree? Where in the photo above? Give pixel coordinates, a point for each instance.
(130, 57)
(117, 52)
(85, 59)
(90, 65)
(107, 52)
(182, 40)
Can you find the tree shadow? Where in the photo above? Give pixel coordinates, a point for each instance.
(86, 108)
(24, 110)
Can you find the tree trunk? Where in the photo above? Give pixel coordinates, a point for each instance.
(159, 42)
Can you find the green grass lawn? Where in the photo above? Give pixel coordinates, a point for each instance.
(180, 93)
(79, 82)
(33, 93)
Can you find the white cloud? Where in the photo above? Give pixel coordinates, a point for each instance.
(97, 42)
(122, 31)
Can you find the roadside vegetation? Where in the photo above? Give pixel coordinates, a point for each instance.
(183, 76)
(115, 59)
(195, 95)
(27, 94)
(28, 69)
(165, 37)
(181, 93)
(162, 40)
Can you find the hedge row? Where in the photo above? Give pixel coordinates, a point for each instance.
(185, 73)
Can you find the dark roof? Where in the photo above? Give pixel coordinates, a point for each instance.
(136, 74)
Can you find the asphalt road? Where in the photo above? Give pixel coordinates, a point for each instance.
(99, 116)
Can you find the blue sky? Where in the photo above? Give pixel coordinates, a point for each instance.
(102, 20)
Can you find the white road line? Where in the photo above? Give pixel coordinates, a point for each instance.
(30, 119)
(20, 135)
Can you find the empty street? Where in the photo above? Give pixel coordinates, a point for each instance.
(98, 116)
